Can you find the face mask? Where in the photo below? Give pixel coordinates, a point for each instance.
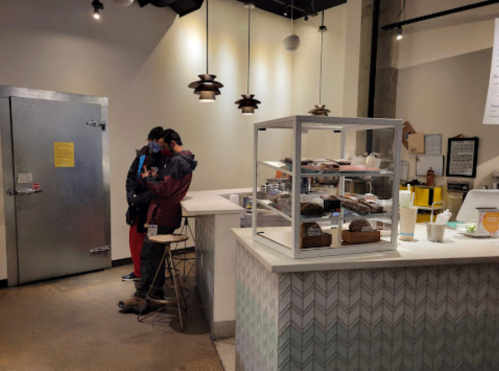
(154, 148)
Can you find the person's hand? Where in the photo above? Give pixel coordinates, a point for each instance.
(153, 173)
(145, 173)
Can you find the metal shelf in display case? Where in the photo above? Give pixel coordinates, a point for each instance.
(332, 137)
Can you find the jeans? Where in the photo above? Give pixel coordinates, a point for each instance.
(151, 258)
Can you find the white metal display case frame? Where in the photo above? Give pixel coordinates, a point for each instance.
(299, 124)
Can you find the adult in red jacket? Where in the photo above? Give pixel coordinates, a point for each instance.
(170, 186)
(139, 197)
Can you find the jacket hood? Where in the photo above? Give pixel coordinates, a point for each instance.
(143, 151)
(189, 157)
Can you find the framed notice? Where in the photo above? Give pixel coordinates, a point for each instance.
(462, 155)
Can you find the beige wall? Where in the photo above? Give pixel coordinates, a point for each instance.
(143, 60)
(443, 80)
(448, 36)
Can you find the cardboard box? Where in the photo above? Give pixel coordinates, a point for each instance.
(416, 144)
(361, 237)
(407, 130)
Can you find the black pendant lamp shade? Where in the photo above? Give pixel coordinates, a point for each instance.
(320, 109)
(248, 104)
(207, 88)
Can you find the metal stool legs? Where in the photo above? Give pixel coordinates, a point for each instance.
(180, 253)
(179, 291)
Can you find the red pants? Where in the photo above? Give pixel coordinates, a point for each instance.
(135, 240)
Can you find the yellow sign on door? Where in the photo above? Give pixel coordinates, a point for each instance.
(64, 154)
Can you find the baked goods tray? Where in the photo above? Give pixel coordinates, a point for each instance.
(349, 215)
(325, 215)
(355, 214)
(344, 170)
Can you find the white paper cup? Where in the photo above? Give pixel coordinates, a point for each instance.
(408, 223)
(435, 232)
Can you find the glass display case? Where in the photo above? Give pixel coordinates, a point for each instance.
(339, 197)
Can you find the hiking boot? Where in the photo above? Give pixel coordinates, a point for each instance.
(130, 277)
(134, 305)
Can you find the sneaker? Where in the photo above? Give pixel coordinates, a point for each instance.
(135, 304)
(130, 277)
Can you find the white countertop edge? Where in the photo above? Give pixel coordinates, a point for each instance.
(212, 212)
(212, 202)
(276, 262)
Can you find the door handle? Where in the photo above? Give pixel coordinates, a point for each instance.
(22, 191)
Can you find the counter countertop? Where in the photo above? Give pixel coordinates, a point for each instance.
(456, 249)
(212, 202)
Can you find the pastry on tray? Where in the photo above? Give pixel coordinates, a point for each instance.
(360, 206)
(304, 161)
(343, 162)
(311, 208)
(307, 208)
(329, 166)
(360, 225)
(374, 208)
(283, 200)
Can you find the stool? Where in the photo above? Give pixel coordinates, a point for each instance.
(180, 298)
(180, 253)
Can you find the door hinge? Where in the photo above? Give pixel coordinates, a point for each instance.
(101, 250)
(101, 124)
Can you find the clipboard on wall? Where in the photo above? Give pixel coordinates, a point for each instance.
(423, 164)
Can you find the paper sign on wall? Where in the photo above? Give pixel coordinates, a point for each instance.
(492, 108)
(64, 154)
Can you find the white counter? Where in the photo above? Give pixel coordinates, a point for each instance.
(212, 202)
(215, 247)
(427, 306)
(456, 249)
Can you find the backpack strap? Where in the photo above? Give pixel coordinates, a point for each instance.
(141, 164)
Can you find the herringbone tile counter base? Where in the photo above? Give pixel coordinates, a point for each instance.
(433, 318)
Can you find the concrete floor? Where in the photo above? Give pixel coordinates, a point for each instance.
(226, 349)
(73, 324)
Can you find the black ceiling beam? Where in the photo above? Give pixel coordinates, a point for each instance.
(301, 8)
(439, 14)
(288, 4)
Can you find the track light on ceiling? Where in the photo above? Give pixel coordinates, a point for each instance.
(248, 104)
(400, 35)
(97, 5)
(207, 88)
(320, 109)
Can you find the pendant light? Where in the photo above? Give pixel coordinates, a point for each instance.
(97, 5)
(292, 41)
(248, 104)
(207, 88)
(320, 109)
